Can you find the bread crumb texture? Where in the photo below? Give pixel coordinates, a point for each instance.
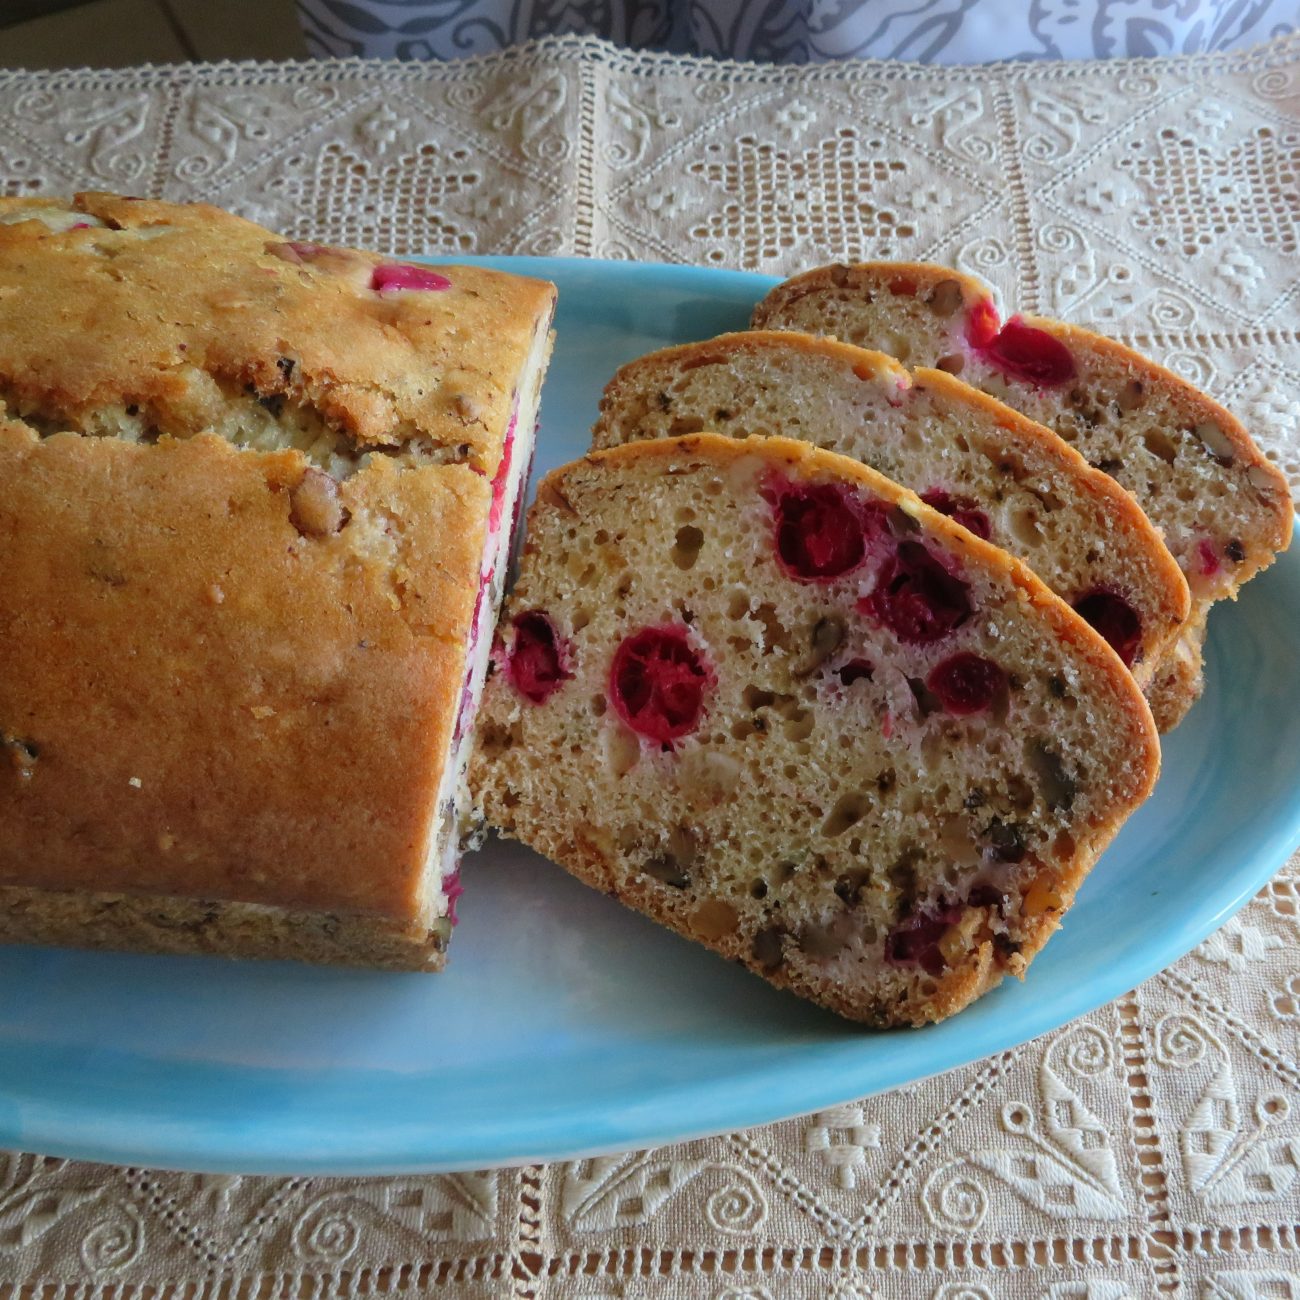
(774, 701)
(1223, 509)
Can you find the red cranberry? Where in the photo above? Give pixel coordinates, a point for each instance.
(903, 286)
(856, 670)
(1033, 355)
(915, 941)
(1115, 619)
(657, 682)
(821, 530)
(982, 324)
(1208, 558)
(399, 276)
(962, 510)
(916, 597)
(535, 666)
(966, 683)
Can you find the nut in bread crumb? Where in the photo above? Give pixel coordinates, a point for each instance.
(314, 506)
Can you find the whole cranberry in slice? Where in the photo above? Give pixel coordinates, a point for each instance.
(962, 510)
(1022, 352)
(1115, 619)
(657, 682)
(535, 666)
(916, 597)
(903, 286)
(982, 324)
(821, 530)
(915, 940)
(966, 683)
(399, 276)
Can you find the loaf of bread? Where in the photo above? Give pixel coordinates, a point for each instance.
(999, 474)
(769, 698)
(255, 505)
(1223, 509)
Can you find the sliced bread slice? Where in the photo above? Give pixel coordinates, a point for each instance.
(769, 698)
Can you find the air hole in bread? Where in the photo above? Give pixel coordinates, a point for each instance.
(849, 809)
(1160, 444)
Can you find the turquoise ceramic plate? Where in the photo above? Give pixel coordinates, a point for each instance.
(567, 1025)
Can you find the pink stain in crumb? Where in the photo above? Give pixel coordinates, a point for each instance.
(453, 889)
(1208, 557)
(466, 696)
(398, 277)
(887, 725)
(503, 472)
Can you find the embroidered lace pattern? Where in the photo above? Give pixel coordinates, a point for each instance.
(1151, 1148)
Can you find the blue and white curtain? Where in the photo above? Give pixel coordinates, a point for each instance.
(803, 31)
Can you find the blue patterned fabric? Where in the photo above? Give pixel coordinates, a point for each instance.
(803, 31)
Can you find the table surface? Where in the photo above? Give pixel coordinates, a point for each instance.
(1151, 1148)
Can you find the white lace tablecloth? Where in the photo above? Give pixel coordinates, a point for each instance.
(1149, 1149)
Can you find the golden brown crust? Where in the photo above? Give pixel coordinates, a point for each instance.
(158, 923)
(214, 704)
(841, 275)
(247, 491)
(221, 309)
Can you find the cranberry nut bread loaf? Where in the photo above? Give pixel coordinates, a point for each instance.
(766, 696)
(1002, 476)
(1223, 510)
(255, 503)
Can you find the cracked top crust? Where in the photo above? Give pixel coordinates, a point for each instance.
(228, 319)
